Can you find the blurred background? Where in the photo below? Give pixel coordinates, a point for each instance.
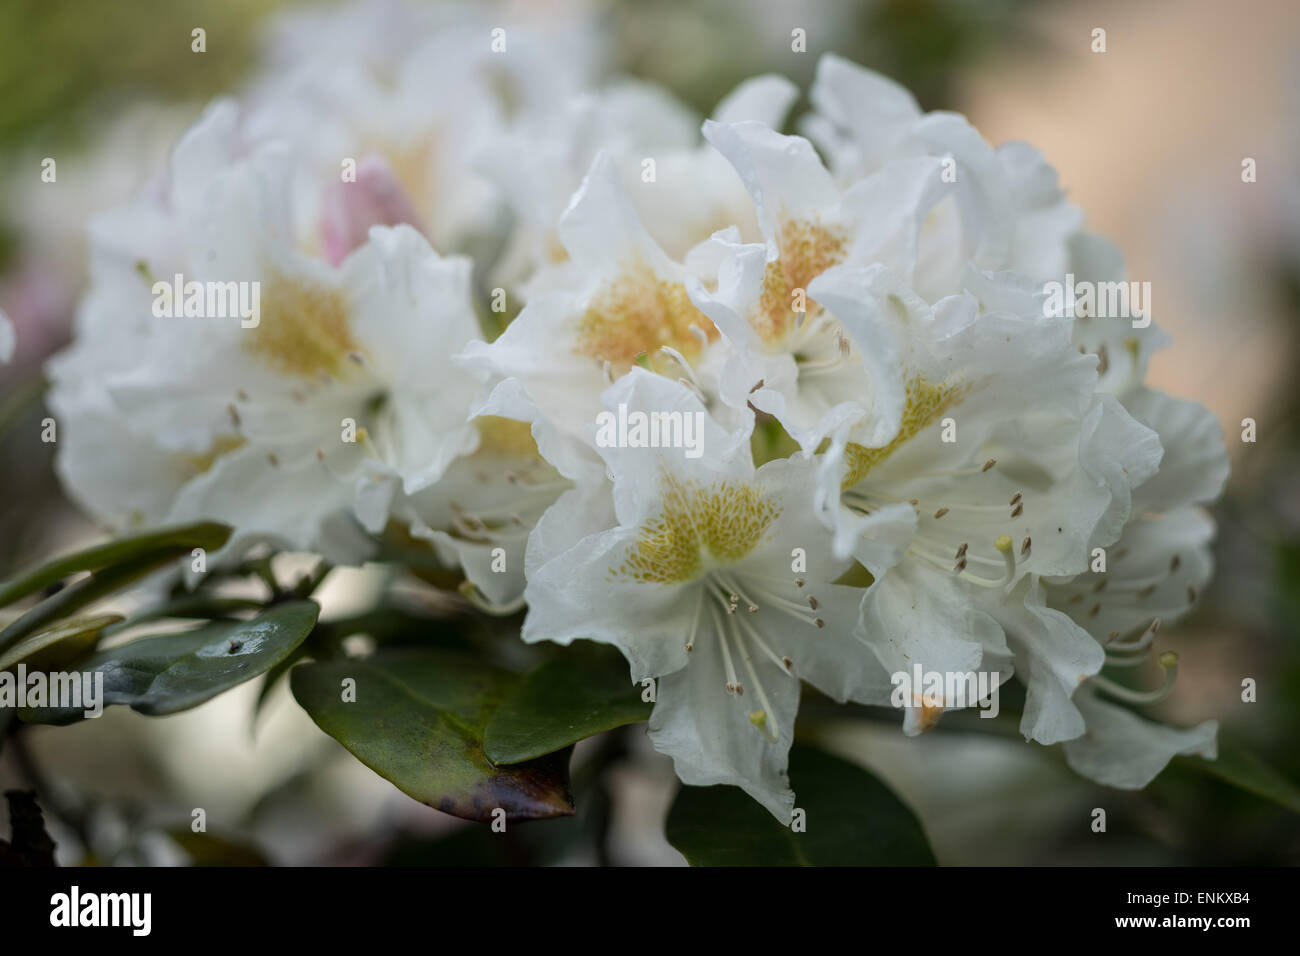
(1148, 139)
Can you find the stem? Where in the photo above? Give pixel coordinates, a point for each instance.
(72, 817)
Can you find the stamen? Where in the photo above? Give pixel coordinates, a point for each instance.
(1007, 547)
(763, 724)
(732, 686)
(695, 621)
(1168, 661)
(775, 658)
(1137, 646)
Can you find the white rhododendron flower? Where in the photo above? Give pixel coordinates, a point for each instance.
(770, 409)
(245, 417)
(717, 578)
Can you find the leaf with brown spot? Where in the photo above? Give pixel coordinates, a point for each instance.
(418, 721)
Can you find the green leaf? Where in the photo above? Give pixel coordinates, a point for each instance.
(584, 692)
(174, 672)
(1244, 770)
(199, 605)
(175, 541)
(140, 556)
(852, 820)
(55, 647)
(417, 720)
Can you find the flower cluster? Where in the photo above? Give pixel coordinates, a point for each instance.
(771, 408)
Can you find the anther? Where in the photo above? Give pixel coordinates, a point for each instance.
(988, 464)
(1024, 546)
(812, 602)
(1015, 500)
(1018, 511)
(941, 512)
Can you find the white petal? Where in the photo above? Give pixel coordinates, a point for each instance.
(1121, 749)
(782, 173)
(762, 99)
(1194, 467)
(914, 616)
(7, 339)
(1053, 656)
(874, 110)
(710, 736)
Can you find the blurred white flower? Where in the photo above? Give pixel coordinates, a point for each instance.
(170, 418)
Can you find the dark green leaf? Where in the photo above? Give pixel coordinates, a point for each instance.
(418, 721)
(1247, 772)
(174, 541)
(584, 692)
(56, 647)
(852, 819)
(199, 605)
(173, 672)
(106, 577)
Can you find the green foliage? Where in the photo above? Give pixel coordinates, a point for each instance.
(418, 718)
(852, 819)
(1246, 771)
(174, 672)
(582, 693)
